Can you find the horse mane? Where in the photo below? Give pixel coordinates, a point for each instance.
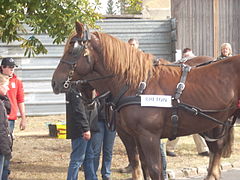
(130, 64)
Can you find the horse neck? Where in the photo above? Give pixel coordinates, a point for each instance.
(107, 81)
(130, 65)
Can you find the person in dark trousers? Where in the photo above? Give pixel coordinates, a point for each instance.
(5, 134)
(81, 123)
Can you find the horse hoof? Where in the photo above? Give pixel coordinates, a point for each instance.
(211, 178)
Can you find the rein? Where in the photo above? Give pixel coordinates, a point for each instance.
(93, 79)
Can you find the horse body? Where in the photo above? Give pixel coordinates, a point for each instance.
(213, 87)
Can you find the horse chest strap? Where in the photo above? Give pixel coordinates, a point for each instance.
(179, 89)
(174, 119)
(181, 85)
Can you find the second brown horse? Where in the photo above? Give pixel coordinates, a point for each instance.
(214, 88)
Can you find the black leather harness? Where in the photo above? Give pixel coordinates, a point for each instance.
(115, 104)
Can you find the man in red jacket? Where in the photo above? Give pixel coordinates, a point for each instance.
(15, 94)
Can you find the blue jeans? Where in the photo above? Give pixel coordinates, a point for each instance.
(2, 158)
(82, 154)
(104, 139)
(3, 168)
(164, 161)
(11, 125)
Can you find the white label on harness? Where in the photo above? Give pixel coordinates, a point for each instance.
(156, 100)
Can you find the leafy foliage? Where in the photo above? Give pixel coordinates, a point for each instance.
(53, 17)
(131, 6)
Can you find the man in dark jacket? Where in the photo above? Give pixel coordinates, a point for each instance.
(5, 136)
(81, 123)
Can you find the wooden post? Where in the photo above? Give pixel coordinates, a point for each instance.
(215, 28)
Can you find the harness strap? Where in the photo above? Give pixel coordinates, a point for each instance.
(142, 85)
(174, 119)
(229, 125)
(111, 107)
(93, 79)
(179, 89)
(181, 84)
(128, 100)
(206, 63)
(136, 100)
(195, 111)
(117, 98)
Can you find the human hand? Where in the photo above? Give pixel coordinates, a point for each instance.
(86, 135)
(23, 124)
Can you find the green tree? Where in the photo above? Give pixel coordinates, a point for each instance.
(130, 6)
(53, 17)
(110, 7)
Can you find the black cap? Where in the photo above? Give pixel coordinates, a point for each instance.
(8, 62)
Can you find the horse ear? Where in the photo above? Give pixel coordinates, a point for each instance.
(79, 29)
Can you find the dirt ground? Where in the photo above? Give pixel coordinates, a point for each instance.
(36, 156)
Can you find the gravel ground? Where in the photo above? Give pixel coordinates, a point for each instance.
(36, 156)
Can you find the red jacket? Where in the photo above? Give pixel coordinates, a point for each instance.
(15, 95)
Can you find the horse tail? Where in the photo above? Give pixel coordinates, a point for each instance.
(227, 149)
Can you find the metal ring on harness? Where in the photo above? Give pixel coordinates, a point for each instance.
(181, 85)
(66, 83)
(141, 87)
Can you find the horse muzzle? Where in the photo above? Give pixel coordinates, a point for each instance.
(58, 87)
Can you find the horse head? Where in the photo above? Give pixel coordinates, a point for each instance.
(100, 56)
(75, 62)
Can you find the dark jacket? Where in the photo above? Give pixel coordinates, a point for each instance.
(78, 118)
(101, 110)
(221, 57)
(5, 136)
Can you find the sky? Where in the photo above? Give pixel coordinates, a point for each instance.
(103, 8)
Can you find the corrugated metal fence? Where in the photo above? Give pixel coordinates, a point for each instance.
(155, 36)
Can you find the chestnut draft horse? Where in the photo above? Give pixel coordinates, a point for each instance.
(109, 64)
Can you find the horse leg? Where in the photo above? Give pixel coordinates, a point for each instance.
(146, 174)
(149, 145)
(132, 153)
(214, 172)
(219, 148)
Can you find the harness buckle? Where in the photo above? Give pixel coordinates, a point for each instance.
(181, 86)
(195, 111)
(141, 87)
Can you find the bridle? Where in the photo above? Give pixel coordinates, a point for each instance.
(80, 46)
